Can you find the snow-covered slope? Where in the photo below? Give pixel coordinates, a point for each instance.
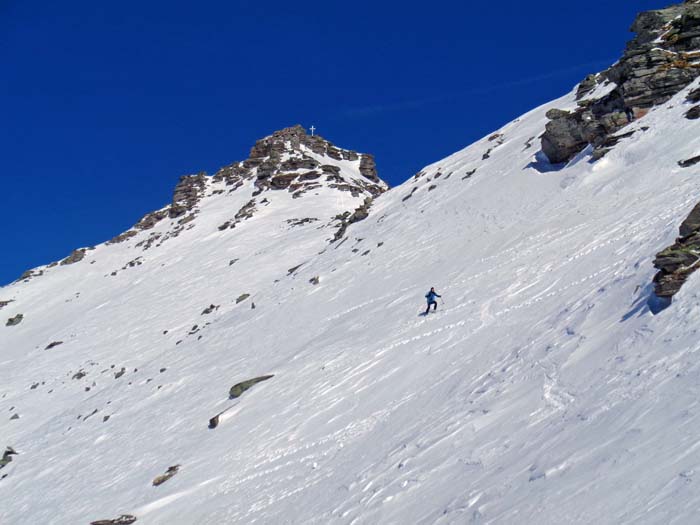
(542, 391)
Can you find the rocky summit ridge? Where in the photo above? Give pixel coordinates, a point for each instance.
(288, 161)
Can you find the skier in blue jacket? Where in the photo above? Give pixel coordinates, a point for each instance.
(430, 296)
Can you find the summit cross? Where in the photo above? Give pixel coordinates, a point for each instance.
(312, 128)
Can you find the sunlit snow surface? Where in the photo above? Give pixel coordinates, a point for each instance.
(542, 391)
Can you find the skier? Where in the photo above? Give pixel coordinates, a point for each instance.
(430, 296)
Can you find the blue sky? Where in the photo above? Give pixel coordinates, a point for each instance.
(105, 104)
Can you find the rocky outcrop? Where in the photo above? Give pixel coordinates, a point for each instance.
(662, 59)
(677, 262)
(188, 192)
(298, 172)
(74, 257)
(346, 219)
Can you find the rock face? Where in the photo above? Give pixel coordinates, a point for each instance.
(677, 262)
(187, 193)
(660, 61)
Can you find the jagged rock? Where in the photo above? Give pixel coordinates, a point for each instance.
(159, 480)
(188, 192)
(404, 199)
(587, 85)
(301, 222)
(14, 321)
(121, 372)
(360, 213)
(53, 344)
(124, 519)
(677, 262)
(327, 168)
(149, 220)
(3, 304)
(659, 62)
(122, 237)
(238, 389)
(693, 113)
(694, 96)
(79, 375)
(689, 162)
(692, 222)
(14, 417)
(303, 163)
(314, 280)
(281, 182)
(7, 457)
(74, 257)
(209, 309)
(242, 297)
(368, 167)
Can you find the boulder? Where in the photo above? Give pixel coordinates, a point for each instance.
(14, 321)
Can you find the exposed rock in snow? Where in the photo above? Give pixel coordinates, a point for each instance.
(660, 61)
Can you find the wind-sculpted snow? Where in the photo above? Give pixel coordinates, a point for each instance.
(543, 390)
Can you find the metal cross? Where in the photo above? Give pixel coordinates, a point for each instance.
(312, 128)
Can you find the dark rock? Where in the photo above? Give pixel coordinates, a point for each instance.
(432, 187)
(105, 419)
(242, 298)
(677, 262)
(294, 269)
(149, 220)
(79, 375)
(693, 113)
(187, 194)
(14, 321)
(587, 85)
(123, 237)
(368, 168)
(692, 223)
(3, 304)
(74, 257)
(159, 480)
(14, 417)
(7, 456)
(214, 422)
(304, 163)
(238, 389)
(283, 181)
(689, 162)
(409, 195)
(117, 375)
(209, 309)
(469, 174)
(124, 519)
(694, 96)
(314, 280)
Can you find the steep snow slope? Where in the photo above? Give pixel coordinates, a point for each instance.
(542, 391)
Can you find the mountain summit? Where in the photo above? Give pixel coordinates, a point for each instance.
(289, 164)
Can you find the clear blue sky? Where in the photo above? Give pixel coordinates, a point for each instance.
(105, 104)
